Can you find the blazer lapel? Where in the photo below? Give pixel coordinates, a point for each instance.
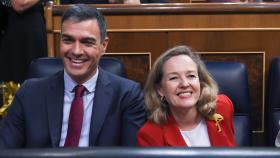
(172, 134)
(173, 137)
(101, 105)
(216, 138)
(54, 103)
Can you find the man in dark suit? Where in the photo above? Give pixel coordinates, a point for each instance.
(113, 107)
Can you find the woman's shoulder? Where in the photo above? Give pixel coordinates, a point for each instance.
(224, 99)
(224, 103)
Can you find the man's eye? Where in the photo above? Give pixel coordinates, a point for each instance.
(67, 40)
(88, 43)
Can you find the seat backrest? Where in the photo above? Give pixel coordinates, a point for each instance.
(47, 66)
(273, 101)
(232, 79)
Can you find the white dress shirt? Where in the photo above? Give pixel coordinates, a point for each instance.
(88, 98)
(277, 139)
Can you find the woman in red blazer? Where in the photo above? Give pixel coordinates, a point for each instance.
(184, 108)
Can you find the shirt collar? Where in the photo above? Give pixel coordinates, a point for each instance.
(90, 84)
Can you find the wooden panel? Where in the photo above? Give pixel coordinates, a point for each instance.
(56, 44)
(193, 21)
(188, 21)
(154, 42)
(137, 65)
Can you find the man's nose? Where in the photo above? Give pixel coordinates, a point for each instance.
(77, 48)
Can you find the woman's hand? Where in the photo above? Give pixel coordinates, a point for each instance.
(22, 5)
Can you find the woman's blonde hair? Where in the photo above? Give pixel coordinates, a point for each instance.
(157, 107)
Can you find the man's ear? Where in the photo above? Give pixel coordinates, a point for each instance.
(104, 44)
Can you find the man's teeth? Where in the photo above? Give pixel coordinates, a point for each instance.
(76, 61)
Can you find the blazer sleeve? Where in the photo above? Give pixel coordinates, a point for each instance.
(133, 114)
(12, 125)
(150, 135)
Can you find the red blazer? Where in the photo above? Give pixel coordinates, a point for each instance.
(169, 134)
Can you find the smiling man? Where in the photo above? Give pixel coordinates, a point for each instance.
(81, 106)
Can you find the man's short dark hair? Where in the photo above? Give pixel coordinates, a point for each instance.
(83, 12)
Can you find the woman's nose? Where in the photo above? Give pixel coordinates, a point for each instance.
(185, 82)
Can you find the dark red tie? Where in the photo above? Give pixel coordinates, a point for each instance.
(75, 118)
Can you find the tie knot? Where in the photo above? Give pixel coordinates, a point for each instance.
(79, 90)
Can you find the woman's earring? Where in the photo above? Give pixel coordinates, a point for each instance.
(162, 99)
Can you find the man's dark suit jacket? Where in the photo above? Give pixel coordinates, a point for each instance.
(105, 1)
(35, 116)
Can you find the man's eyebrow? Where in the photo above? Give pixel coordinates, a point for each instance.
(65, 35)
(89, 39)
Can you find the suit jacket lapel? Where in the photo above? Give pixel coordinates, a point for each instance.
(172, 134)
(55, 100)
(101, 105)
(173, 137)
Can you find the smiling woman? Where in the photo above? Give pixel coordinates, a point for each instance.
(183, 106)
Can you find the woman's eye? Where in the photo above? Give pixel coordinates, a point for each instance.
(191, 76)
(173, 78)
